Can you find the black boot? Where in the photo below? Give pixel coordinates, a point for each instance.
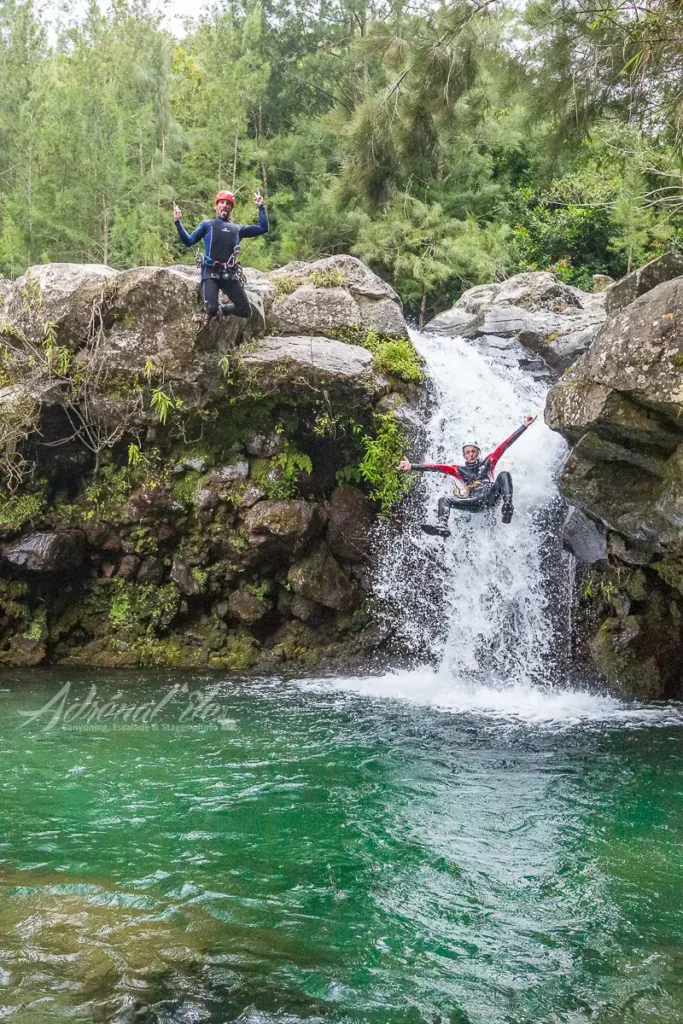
(508, 510)
(436, 531)
(227, 308)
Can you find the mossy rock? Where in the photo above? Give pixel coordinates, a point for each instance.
(619, 649)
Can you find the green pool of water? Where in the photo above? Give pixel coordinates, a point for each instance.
(291, 853)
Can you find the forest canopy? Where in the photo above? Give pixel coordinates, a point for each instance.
(446, 145)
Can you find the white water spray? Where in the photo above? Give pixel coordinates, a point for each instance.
(480, 604)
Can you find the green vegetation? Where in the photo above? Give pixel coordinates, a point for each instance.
(446, 144)
(393, 356)
(285, 284)
(327, 278)
(17, 510)
(378, 468)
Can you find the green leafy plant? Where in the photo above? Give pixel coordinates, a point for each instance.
(327, 278)
(163, 404)
(378, 468)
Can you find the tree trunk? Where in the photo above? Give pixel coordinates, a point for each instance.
(105, 255)
(234, 164)
(264, 169)
(423, 310)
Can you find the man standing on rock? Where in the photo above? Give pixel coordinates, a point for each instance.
(220, 269)
(475, 488)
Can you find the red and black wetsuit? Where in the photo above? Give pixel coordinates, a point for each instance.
(476, 487)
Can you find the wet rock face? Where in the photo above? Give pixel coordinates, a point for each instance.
(621, 406)
(349, 529)
(46, 552)
(320, 578)
(584, 538)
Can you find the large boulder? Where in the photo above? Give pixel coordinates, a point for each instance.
(283, 525)
(299, 363)
(533, 290)
(638, 355)
(550, 318)
(320, 578)
(152, 315)
(332, 294)
(70, 296)
(622, 293)
(248, 605)
(46, 551)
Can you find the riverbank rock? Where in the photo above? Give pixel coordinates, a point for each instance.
(173, 495)
(621, 406)
(552, 319)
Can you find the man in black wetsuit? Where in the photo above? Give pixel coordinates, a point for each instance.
(220, 269)
(476, 488)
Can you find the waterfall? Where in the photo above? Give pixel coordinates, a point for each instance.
(489, 605)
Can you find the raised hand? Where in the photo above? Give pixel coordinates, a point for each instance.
(403, 465)
(528, 420)
(177, 212)
(258, 198)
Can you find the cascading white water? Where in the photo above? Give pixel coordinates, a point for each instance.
(484, 616)
(484, 604)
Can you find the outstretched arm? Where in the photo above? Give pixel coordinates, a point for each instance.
(253, 230)
(428, 467)
(504, 445)
(186, 238)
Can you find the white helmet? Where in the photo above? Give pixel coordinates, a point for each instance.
(471, 444)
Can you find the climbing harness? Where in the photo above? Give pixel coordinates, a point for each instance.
(230, 269)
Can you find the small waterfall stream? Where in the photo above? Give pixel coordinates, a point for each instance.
(488, 605)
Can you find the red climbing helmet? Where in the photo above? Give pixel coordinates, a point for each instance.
(226, 196)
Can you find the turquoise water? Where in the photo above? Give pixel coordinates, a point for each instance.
(325, 854)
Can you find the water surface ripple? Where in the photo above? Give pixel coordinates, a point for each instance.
(338, 852)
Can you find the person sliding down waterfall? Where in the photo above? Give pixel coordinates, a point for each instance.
(220, 269)
(476, 488)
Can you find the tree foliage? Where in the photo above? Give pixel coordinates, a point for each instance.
(445, 145)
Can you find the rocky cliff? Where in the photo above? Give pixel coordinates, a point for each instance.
(621, 407)
(173, 495)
